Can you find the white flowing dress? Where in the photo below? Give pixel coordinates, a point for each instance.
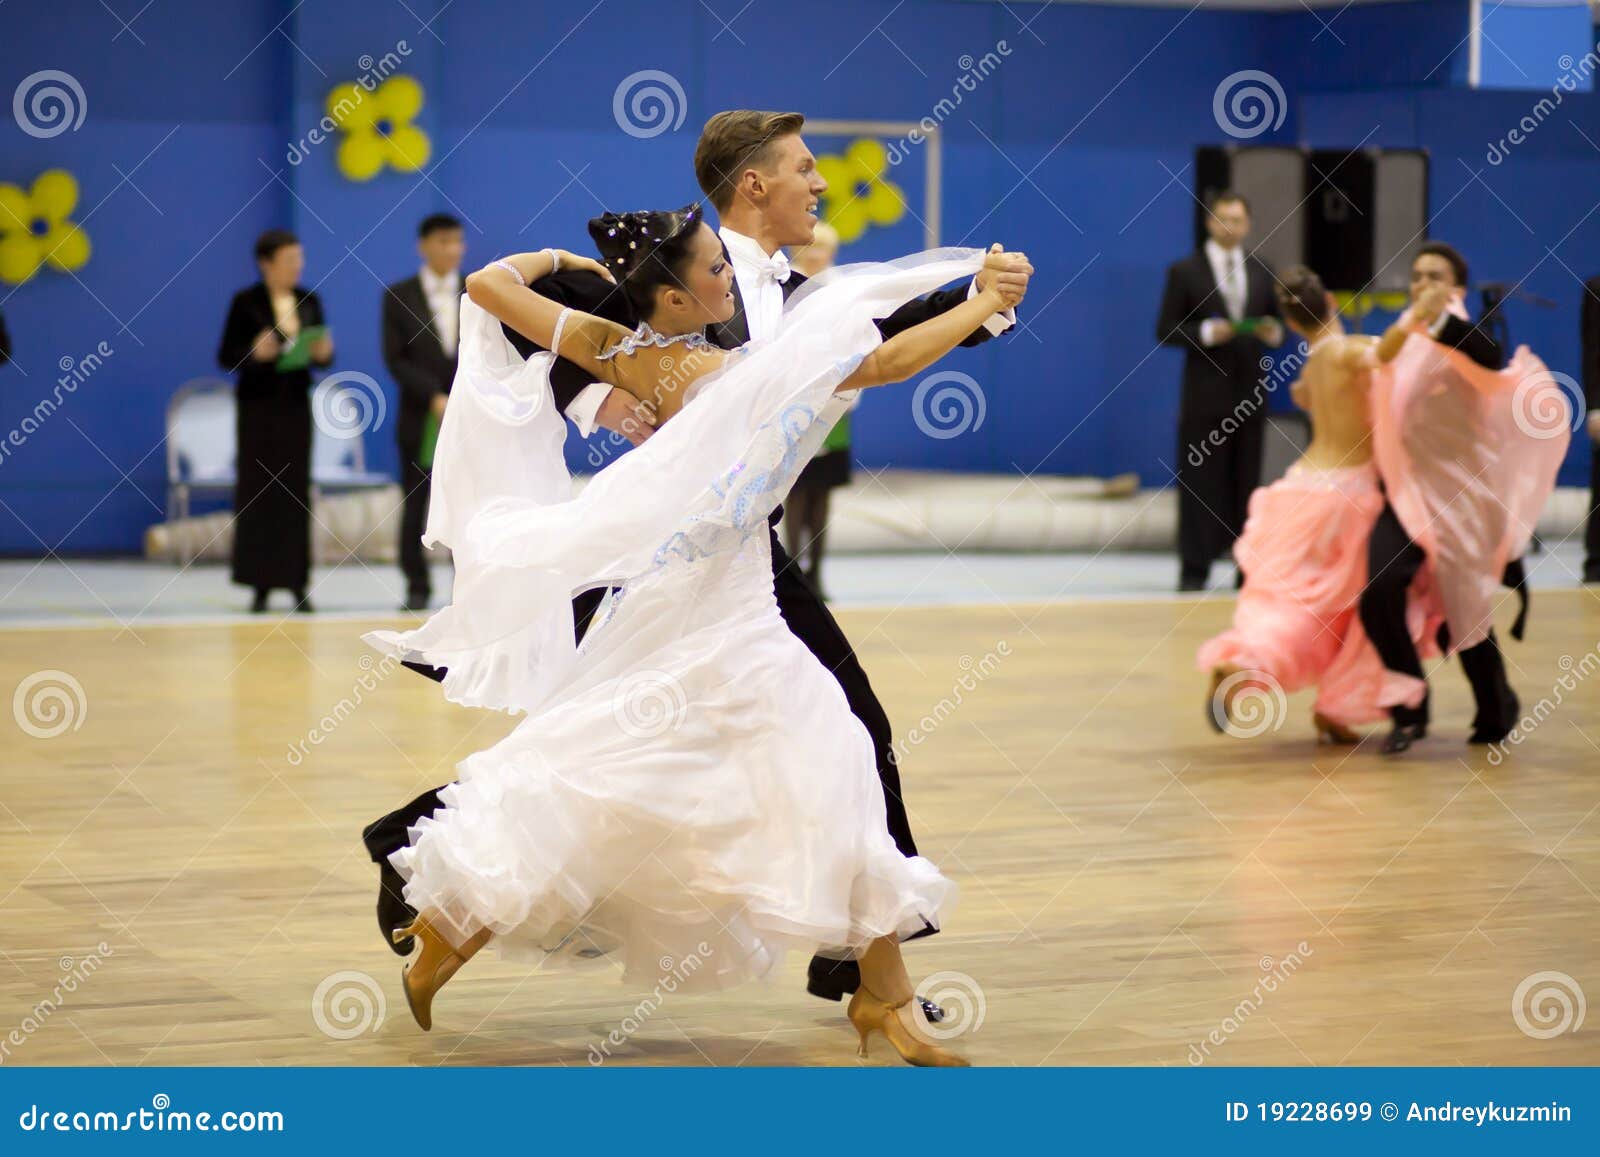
(690, 785)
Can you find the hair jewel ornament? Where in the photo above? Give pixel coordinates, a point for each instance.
(625, 240)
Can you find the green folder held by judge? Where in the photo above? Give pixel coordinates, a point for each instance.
(297, 354)
(430, 440)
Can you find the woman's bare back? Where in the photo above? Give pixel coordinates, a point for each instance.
(1333, 389)
(659, 370)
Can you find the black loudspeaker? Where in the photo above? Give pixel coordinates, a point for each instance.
(1340, 216)
(1356, 217)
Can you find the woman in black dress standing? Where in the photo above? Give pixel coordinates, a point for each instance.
(272, 498)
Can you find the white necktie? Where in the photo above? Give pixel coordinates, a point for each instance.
(774, 269)
(1236, 283)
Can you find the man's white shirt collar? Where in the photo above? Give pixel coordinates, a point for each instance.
(742, 248)
(437, 283)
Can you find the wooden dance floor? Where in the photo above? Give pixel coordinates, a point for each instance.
(181, 880)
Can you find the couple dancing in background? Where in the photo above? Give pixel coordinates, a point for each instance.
(764, 812)
(1421, 488)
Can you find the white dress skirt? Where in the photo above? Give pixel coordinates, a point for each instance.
(689, 792)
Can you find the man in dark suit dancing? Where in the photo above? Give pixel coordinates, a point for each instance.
(1438, 277)
(421, 326)
(757, 172)
(1219, 307)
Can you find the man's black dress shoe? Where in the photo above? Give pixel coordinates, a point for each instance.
(1402, 737)
(1494, 732)
(837, 979)
(393, 911)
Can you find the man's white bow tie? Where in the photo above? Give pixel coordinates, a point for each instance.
(774, 268)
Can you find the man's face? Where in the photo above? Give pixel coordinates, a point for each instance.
(789, 189)
(443, 249)
(1430, 270)
(1228, 223)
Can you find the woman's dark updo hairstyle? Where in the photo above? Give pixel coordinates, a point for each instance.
(1301, 297)
(646, 250)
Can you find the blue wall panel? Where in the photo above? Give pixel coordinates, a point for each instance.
(1079, 148)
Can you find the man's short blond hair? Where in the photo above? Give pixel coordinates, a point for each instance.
(732, 142)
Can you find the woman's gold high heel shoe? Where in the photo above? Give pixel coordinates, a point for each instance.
(436, 961)
(870, 1014)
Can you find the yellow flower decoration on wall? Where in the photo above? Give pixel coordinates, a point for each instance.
(34, 229)
(858, 193)
(378, 129)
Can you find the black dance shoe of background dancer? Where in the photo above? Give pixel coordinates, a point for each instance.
(1402, 737)
(1483, 733)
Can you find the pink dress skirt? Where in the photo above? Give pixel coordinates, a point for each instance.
(1304, 557)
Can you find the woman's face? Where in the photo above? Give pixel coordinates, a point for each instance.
(707, 277)
(282, 270)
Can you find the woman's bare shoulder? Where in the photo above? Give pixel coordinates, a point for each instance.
(662, 375)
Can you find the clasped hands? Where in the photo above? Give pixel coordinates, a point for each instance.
(1006, 274)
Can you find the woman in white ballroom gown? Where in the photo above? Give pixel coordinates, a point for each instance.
(690, 785)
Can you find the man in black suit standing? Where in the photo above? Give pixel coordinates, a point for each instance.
(1220, 309)
(1591, 390)
(421, 327)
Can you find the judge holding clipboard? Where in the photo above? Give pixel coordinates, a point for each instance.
(274, 336)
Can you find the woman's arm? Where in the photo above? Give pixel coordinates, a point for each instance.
(583, 338)
(1394, 337)
(914, 350)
